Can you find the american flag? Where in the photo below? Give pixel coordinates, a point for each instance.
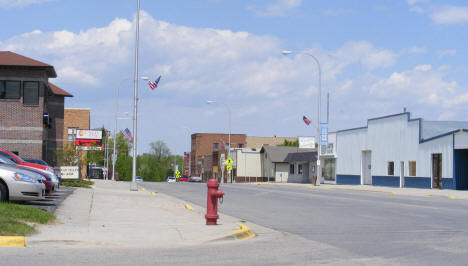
(154, 85)
(127, 134)
(306, 120)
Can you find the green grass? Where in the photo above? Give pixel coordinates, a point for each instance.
(19, 220)
(77, 183)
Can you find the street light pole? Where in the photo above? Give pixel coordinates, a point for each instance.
(229, 139)
(114, 155)
(133, 186)
(319, 97)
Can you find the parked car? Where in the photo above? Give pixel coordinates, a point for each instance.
(171, 179)
(139, 179)
(18, 160)
(183, 178)
(36, 161)
(195, 178)
(18, 184)
(48, 177)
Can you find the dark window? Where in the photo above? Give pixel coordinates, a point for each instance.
(291, 169)
(391, 168)
(8, 156)
(299, 169)
(412, 168)
(31, 92)
(215, 146)
(240, 146)
(10, 89)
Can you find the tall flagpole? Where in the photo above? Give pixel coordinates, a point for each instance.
(133, 186)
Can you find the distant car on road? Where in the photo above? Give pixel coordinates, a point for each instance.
(139, 179)
(171, 179)
(195, 178)
(183, 178)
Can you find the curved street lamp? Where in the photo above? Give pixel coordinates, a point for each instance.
(286, 52)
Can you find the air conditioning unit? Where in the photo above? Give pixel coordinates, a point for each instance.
(47, 120)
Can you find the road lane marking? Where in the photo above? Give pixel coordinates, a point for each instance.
(143, 189)
(12, 241)
(189, 207)
(393, 193)
(452, 197)
(153, 193)
(243, 233)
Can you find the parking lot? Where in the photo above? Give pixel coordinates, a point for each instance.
(51, 202)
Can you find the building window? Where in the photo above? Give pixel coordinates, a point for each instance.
(291, 169)
(10, 89)
(412, 168)
(240, 146)
(330, 148)
(391, 168)
(299, 169)
(71, 133)
(215, 146)
(31, 92)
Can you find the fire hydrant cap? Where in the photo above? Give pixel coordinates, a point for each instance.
(212, 183)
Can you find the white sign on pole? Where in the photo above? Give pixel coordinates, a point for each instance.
(88, 134)
(306, 142)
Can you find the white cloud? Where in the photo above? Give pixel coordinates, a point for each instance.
(280, 8)
(20, 3)
(423, 84)
(413, 2)
(448, 52)
(450, 14)
(336, 12)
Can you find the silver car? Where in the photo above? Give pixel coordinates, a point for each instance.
(20, 184)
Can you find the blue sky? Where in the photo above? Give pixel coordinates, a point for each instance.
(377, 57)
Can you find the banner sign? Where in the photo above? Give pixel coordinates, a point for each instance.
(69, 172)
(324, 134)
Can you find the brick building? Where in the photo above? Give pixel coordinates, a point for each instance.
(76, 118)
(207, 149)
(31, 108)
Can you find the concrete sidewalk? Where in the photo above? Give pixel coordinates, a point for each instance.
(110, 215)
(446, 193)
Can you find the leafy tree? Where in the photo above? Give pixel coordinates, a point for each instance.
(68, 155)
(290, 143)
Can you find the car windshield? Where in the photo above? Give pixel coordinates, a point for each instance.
(5, 160)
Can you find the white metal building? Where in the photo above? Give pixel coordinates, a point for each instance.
(397, 151)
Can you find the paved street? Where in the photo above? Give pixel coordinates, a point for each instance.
(423, 230)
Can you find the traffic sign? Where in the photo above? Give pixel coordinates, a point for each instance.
(177, 173)
(229, 167)
(229, 161)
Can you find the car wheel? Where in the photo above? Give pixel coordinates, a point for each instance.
(3, 192)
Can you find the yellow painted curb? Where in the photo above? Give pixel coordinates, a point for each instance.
(143, 189)
(12, 241)
(329, 188)
(393, 193)
(427, 195)
(243, 233)
(153, 193)
(310, 186)
(189, 207)
(452, 197)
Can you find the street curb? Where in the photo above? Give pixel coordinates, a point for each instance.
(12, 241)
(243, 233)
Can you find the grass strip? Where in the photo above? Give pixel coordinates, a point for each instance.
(77, 183)
(19, 220)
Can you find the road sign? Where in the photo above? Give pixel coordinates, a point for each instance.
(323, 133)
(229, 161)
(229, 167)
(177, 174)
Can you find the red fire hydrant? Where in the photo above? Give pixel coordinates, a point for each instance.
(212, 201)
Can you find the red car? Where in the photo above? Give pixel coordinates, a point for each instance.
(183, 178)
(18, 160)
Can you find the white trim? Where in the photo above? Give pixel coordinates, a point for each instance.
(22, 128)
(20, 141)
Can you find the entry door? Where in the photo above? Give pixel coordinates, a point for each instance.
(366, 175)
(436, 170)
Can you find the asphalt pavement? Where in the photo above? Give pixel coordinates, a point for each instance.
(367, 224)
(51, 202)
